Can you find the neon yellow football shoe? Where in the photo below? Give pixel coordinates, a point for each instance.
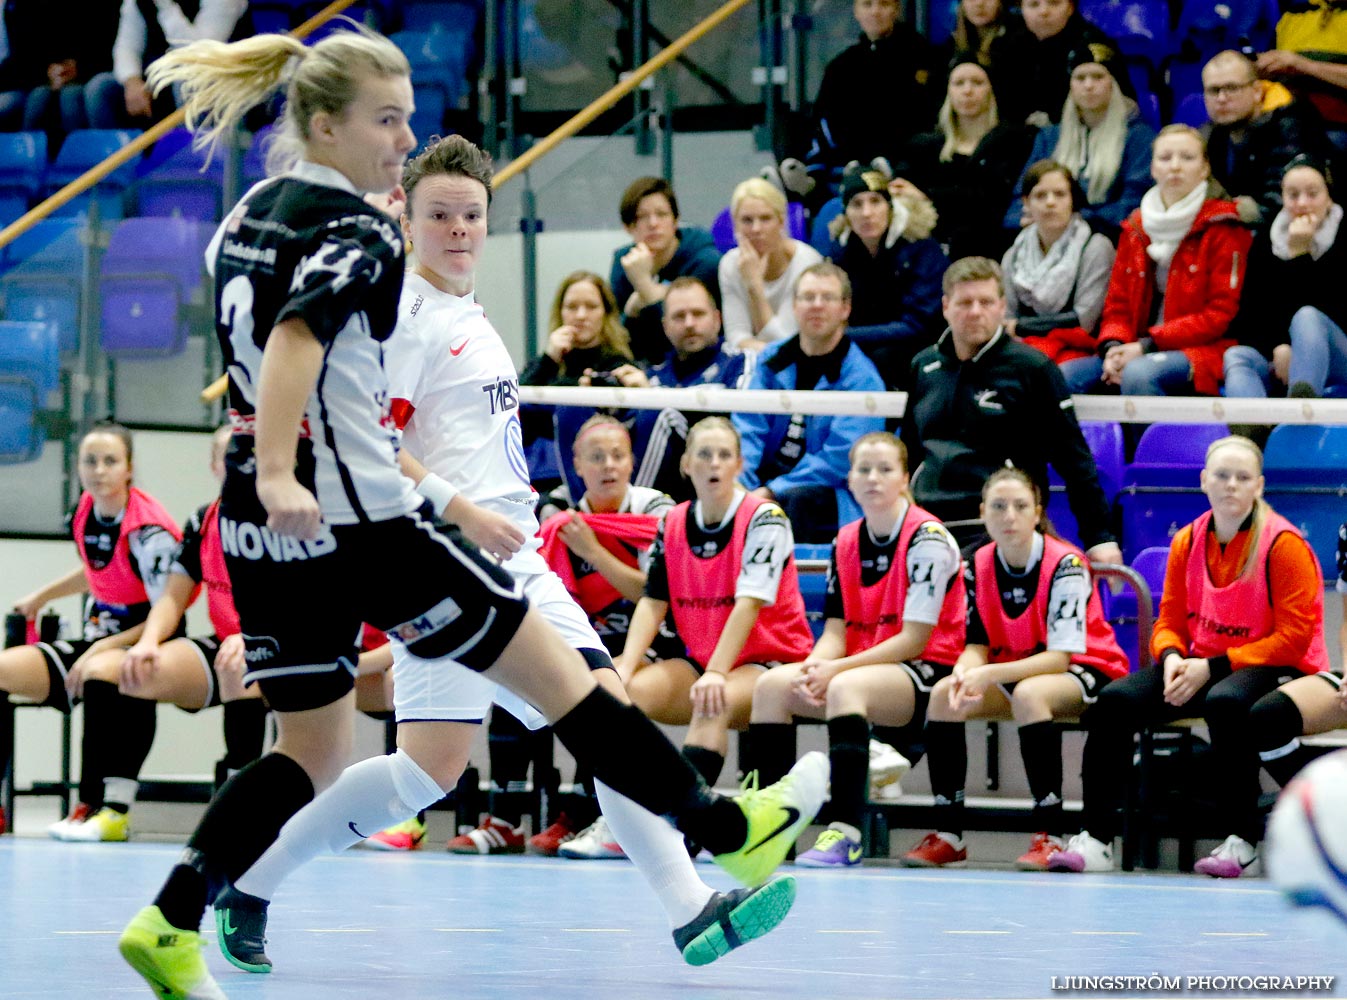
(168, 958)
(776, 815)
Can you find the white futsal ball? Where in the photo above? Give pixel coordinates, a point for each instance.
(1307, 836)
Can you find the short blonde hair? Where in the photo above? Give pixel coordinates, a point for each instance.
(763, 190)
(222, 81)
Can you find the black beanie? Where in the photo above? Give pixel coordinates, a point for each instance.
(859, 181)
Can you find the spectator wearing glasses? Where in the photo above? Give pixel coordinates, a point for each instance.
(1255, 129)
(801, 461)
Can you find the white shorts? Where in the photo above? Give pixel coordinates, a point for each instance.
(443, 690)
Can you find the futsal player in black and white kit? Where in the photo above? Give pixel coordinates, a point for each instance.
(455, 396)
(321, 530)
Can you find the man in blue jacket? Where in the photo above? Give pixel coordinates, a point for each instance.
(799, 461)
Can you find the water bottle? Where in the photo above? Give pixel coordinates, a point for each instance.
(16, 629)
(49, 627)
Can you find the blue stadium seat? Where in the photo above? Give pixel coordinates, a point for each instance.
(151, 274)
(23, 162)
(458, 18)
(819, 237)
(175, 179)
(12, 208)
(1122, 607)
(29, 373)
(255, 156)
(1160, 492)
(1105, 439)
(428, 119)
(722, 227)
(1305, 467)
(42, 281)
(82, 150)
(438, 58)
(813, 583)
(1140, 27)
(1191, 110)
(1206, 27)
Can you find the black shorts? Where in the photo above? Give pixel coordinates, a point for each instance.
(61, 656)
(302, 604)
(1090, 679)
(207, 647)
(925, 676)
(1332, 679)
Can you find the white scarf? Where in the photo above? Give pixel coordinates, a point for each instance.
(1044, 281)
(1324, 237)
(1167, 227)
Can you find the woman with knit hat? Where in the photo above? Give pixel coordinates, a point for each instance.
(1101, 140)
(884, 244)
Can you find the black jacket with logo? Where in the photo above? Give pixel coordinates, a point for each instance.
(1006, 404)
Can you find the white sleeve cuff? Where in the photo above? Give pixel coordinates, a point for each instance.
(437, 491)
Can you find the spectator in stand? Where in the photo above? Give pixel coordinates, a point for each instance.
(1256, 128)
(1311, 59)
(145, 31)
(1177, 279)
(24, 32)
(977, 25)
(1056, 275)
(71, 61)
(884, 245)
(801, 461)
(662, 251)
(1290, 325)
(1242, 614)
(874, 95)
(587, 337)
(1101, 140)
(981, 400)
(698, 357)
(967, 166)
(758, 276)
(1033, 58)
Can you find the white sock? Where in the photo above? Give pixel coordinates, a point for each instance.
(368, 797)
(657, 850)
(120, 792)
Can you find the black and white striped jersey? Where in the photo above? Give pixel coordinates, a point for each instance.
(305, 245)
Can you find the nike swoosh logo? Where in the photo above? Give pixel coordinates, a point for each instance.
(854, 854)
(792, 816)
(229, 927)
(456, 353)
(362, 836)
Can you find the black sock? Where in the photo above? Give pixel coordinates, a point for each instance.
(948, 764)
(1041, 750)
(245, 729)
(849, 753)
(509, 750)
(240, 823)
(1276, 724)
(771, 751)
(709, 763)
(6, 734)
(629, 754)
(136, 720)
(102, 730)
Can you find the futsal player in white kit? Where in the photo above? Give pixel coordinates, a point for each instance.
(454, 394)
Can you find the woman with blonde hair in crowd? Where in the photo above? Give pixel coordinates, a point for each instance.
(1177, 279)
(1242, 614)
(757, 277)
(587, 336)
(967, 165)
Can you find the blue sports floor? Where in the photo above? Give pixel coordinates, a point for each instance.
(367, 925)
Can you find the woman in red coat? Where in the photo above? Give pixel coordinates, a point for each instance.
(1176, 281)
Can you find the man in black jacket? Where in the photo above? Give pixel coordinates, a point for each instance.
(1254, 131)
(981, 400)
(874, 95)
